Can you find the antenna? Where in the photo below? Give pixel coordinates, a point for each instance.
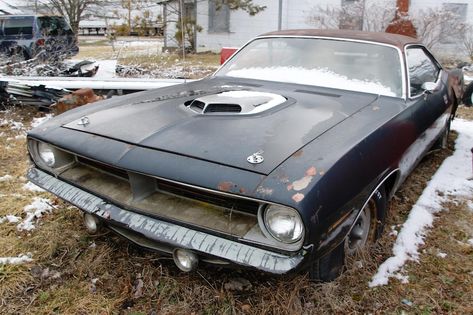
(183, 36)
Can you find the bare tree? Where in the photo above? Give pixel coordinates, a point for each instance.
(139, 16)
(437, 25)
(245, 5)
(468, 41)
(358, 15)
(73, 10)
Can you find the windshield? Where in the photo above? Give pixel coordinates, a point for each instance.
(330, 63)
(54, 26)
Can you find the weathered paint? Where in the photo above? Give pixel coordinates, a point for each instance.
(298, 197)
(354, 139)
(168, 233)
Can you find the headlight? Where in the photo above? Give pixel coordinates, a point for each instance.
(49, 157)
(47, 154)
(283, 223)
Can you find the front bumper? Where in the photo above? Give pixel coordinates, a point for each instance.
(168, 234)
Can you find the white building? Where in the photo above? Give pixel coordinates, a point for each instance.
(7, 8)
(227, 28)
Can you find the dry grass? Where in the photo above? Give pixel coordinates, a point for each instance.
(75, 273)
(146, 59)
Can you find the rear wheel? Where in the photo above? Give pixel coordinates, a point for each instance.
(367, 228)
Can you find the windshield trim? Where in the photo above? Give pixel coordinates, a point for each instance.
(399, 51)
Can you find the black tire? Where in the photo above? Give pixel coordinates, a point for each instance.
(370, 223)
(468, 95)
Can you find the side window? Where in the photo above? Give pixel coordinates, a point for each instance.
(421, 69)
(18, 26)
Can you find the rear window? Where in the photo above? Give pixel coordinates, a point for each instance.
(54, 26)
(18, 26)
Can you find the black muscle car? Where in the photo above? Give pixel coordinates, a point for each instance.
(283, 160)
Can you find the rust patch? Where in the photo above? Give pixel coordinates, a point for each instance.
(301, 183)
(242, 191)
(312, 171)
(298, 153)
(298, 197)
(226, 186)
(106, 215)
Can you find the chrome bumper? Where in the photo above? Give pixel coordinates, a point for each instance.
(165, 233)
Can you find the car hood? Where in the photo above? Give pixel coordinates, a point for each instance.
(275, 120)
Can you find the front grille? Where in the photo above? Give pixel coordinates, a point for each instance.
(103, 167)
(227, 202)
(164, 199)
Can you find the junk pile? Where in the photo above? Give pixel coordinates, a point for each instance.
(67, 68)
(12, 93)
(43, 97)
(75, 99)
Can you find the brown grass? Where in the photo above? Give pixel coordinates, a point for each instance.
(75, 273)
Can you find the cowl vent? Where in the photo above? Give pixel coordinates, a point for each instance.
(235, 102)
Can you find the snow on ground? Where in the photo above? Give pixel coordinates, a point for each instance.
(450, 180)
(106, 69)
(6, 178)
(34, 210)
(32, 187)
(21, 259)
(14, 125)
(38, 121)
(10, 218)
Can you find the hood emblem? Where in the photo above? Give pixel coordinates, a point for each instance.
(256, 158)
(84, 121)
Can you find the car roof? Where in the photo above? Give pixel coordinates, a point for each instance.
(378, 37)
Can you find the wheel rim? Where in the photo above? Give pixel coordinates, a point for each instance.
(363, 229)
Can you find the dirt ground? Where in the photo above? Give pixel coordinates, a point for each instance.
(76, 273)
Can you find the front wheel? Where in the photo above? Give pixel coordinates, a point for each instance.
(367, 229)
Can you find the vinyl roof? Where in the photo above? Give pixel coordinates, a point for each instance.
(385, 38)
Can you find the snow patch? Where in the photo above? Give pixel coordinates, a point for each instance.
(33, 211)
(39, 120)
(316, 77)
(441, 255)
(21, 259)
(14, 125)
(450, 179)
(32, 187)
(470, 241)
(10, 218)
(470, 205)
(6, 178)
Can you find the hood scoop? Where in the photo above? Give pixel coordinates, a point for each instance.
(235, 102)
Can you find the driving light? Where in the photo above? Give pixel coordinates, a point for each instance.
(47, 154)
(283, 223)
(91, 223)
(185, 260)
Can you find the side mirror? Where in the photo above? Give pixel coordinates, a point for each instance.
(429, 87)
